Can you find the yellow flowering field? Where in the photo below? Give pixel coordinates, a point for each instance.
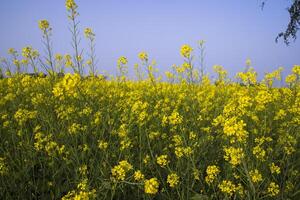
(178, 135)
(72, 137)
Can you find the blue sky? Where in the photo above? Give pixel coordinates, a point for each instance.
(234, 30)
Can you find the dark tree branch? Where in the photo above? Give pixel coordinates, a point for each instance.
(293, 25)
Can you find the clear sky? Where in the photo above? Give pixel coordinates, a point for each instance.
(234, 30)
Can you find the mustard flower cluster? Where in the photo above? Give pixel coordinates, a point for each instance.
(227, 187)
(212, 172)
(255, 176)
(143, 56)
(23, 115)
(186, 51)
(71, 5)
(29, 52)
(102, 144)
(234, 155)
(274, 169)
(151, 186)
(162, 160)
(88, 33)
(45, 143)
(44, 25)
(138, 175)
(173, 180)
(82, 192)
(235, 128)
(119, 171)
(122, 60)
(273, 189)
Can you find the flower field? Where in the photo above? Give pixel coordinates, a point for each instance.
(72, 137)
(178, 135)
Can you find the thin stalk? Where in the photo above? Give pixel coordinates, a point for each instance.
(75, 40)
(49, 51)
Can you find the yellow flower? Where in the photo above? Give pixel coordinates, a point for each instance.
(248, 62)
(23, 115)
(151, 186)
(16, 62)
(259, 152)
(79, 58)
(296, 70)
(83, 170)
(177, 140)
(118, 173)
(138, 175)
(249, 77)
(89, 62)
(146, 159)
(186, 50)
(255, 176)
(102, 144)
(122, 60)
(11, 51)
(154, 135)
(234, 155)
(35, 54)
(24, 61)
(125, 144)
(291, 78)
(26, 52)
(212, 171)
(169, 75)
(173, 179)
(143, 56)
(58, 57)
(186, 66)
(235, 128)
(187, 151)
(227, 187)
(274, 169)
(29, 52)
(273, 189)
(71, 5)
(222, 73)
(82, 193)
(162, 160)
(75, 128)
(192, 135)
(179, 152)
(175, 118)
(88, 33)
(45, 143)
(43, 25)
(125, 165)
